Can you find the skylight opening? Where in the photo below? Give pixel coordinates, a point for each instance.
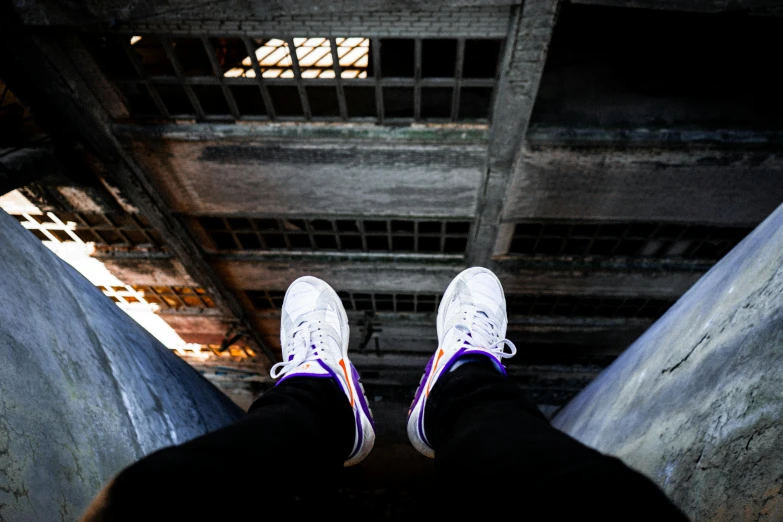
(314, 56)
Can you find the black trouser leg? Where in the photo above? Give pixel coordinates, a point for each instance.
(495, 453)
(282, 459)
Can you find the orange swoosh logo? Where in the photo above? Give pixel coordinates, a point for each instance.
(347, 379)
(434, 368)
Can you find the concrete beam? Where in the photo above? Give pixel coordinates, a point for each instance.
(146, 270)
(341, 134)
(200, 327)
(519, 276)
(479, 17)
(669, 182)
(305, 177)
(759, 7)
(523, 64)
(343, 273)
(695, 403)
(370, 275)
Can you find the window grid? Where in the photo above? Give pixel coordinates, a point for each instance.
(357, 301)
(105, 230)
(380, 302)
(516, 304)
(578, 306)
(266, 299)
(165, 297)
(175, 296)
(123, 294)
(390, 80)
(634, 240)
(341, 235)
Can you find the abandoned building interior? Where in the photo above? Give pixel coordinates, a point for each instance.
(599, 156)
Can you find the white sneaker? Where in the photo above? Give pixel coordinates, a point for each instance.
(471, 320)
(314, 338)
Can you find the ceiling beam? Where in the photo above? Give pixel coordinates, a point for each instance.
(299, 176)
(715, 178)
(759, 7)
(517, 276)
(489, 16)
(523, 64)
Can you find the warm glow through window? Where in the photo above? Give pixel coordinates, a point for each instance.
(314, 56)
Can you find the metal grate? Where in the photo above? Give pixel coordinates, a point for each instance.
(314, 56)
(366, 302)
(356, 301)
(517, 304)
(637, 240)
(342, 235)
(578, 306)
(105, 230)
(167, 297)
(176, 296)
(235, 351)
(266, 299)
(124, 294)
(391, 80)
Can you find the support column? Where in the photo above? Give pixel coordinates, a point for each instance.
(526, 48)
(696, 403)
(84, 390)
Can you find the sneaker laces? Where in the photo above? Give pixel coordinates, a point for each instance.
(481, 333)
(303, 345)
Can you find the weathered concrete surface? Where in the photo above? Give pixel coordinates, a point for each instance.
(200, 327)
(149, 270)
(298, 178)
(523, 64)
(697, 402)
(699, 185)
(84, 390)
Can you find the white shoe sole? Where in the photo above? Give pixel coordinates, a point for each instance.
(416, 415)
(363, 421)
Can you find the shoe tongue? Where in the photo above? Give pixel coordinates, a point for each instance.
(329, 345)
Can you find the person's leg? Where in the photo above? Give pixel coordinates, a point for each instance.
(283, 457)
(490, 440)
(494, 452)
